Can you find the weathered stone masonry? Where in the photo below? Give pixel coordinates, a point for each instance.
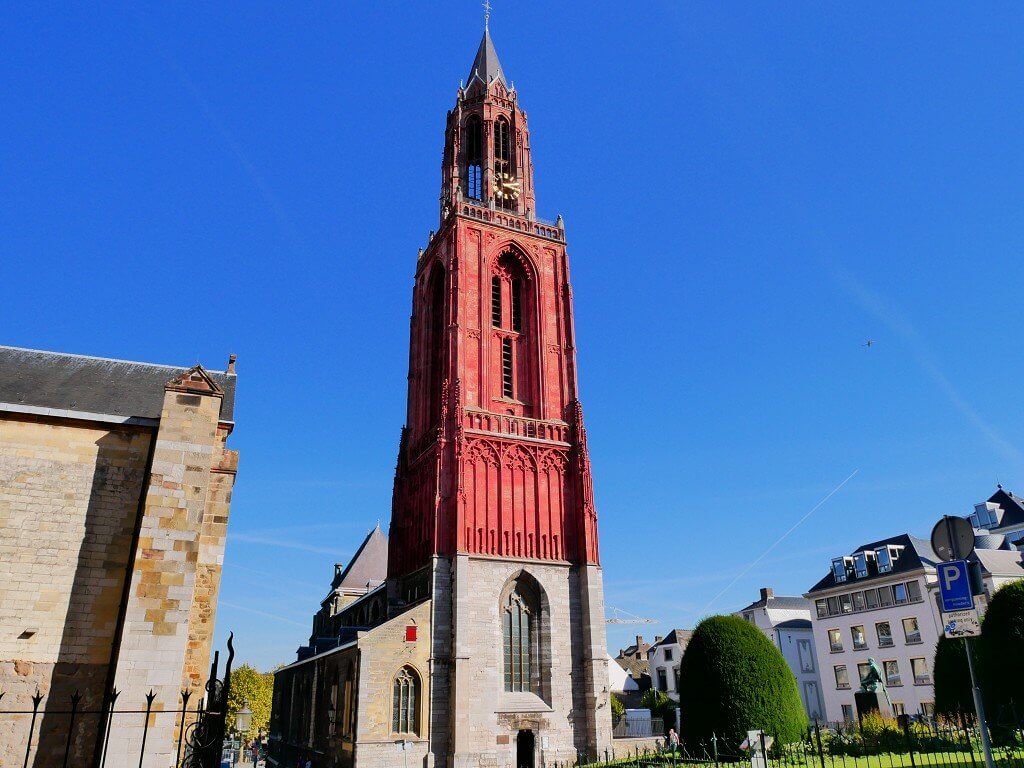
(108, 468)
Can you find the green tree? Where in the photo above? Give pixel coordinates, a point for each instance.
(952, 679)
(661, 706)
(1001, 647)
(255, 689)
(618, 708)
(733, 680)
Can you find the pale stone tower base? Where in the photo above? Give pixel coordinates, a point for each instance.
(569, 717)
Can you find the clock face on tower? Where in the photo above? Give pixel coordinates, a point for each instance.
(505, 187)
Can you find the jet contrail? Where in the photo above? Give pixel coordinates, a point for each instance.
(778, 541)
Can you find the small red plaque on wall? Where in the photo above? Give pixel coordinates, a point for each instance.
(410, 633)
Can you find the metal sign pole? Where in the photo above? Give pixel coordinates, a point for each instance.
(979, 704)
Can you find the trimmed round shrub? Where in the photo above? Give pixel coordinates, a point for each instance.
(1001, 647)
(953, 695)
(733, 679)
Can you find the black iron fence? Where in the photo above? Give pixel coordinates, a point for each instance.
(59, 731)
(74, 732)
(873, 743)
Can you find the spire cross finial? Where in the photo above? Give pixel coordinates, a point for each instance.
(487, 15)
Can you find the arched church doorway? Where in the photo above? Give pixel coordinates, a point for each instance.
(525, 744)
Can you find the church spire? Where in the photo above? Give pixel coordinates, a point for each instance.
(486, 65)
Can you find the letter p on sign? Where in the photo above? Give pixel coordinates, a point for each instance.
(949, 575)
(954, 586)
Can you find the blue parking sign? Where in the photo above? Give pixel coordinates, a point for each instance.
(955, 586)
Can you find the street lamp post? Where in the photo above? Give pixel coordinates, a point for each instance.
(243, 721)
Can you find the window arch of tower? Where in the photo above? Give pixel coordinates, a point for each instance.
(504, 159)
(434, 349)
(473, 138)
(512, 323)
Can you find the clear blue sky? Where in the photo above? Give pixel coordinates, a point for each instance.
(750, 193)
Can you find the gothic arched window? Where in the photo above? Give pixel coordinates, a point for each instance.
(405, 702)
(474, 138)
(515, 346)
(504, 159)
(435, 349)
(520, 626)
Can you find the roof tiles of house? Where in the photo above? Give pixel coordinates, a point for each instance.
(1013, 509)
(1001, 562)
(368, 566)
(634, 667)
(64, 384)
(781, 602)
(916, 554)
(675, 637)
(794, 624)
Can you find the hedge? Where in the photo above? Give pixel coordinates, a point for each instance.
(733, 679)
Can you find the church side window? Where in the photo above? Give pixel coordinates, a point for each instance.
(474, 158)
(506, 368)
(405, 702)
(518, 630)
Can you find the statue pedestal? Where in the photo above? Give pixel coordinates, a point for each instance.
(872, 701)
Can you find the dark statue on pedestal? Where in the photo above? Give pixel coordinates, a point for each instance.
(873, 696)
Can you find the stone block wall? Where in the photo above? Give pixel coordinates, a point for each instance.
(209, 564)
(175, 574)
(485, 719)
(69, 494)
(383, 651)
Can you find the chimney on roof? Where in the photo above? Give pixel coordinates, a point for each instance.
(658, 639)
(231, 363)
(767, 593)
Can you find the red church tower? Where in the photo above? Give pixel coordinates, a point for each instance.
(493, 514)
(493, 459)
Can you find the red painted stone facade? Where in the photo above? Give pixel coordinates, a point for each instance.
(493, 459)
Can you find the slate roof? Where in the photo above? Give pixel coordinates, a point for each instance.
(1013, 509)
(917, 553)
(676, 636)
(1000, 562)
(368, 566)
(486, 65)
(57, 381)
(794, 624)
(634, 667)
(782, 602)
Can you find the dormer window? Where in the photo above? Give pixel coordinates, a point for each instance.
(860, 564)
(985, 516)
(842, 568)
(886, 557)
